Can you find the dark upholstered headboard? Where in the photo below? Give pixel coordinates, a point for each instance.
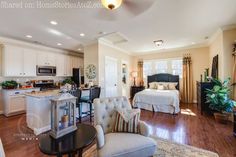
(164, 77)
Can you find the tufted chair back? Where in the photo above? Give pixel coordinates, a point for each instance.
(105, 111)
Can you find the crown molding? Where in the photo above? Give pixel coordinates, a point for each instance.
(17, 42)
(203, 45)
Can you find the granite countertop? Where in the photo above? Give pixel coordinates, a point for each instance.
(21, 89)
(44, 94)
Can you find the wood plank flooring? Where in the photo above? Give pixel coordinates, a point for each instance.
(189, 127)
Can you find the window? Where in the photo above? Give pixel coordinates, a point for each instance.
(147, 69)
(177, 67)
(161, 67)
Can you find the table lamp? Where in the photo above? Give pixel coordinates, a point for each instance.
(134, 74)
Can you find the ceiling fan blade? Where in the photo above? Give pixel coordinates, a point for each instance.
(137, 7)
(105, 14)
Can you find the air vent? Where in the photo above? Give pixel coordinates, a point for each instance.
(115, 38)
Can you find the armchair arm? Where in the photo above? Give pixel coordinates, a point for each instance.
(144, 128)
(100, 136)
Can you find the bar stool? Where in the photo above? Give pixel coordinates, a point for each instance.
(77, 93)
(94, 92)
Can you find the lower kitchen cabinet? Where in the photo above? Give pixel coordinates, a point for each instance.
(14, 101)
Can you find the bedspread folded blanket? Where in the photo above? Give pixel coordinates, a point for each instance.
(158, 99)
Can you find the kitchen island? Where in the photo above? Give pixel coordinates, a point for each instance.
(38, 109)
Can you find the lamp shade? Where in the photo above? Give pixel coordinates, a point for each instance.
(111, 4)
(134, 74)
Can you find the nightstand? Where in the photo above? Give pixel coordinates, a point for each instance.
(135, 89)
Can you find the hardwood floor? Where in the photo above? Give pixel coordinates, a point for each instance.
(189, 127)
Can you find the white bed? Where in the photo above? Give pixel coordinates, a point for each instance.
(166, 101)
(152, 99)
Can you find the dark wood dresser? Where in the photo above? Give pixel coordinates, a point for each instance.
(235, 124)
(135, 89)
(201, 96)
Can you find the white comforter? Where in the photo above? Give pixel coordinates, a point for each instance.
(160, 100)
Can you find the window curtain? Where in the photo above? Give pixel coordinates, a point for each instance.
(187, 95)
(234, 76)
(140, 72)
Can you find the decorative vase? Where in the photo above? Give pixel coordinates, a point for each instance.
(221, 117)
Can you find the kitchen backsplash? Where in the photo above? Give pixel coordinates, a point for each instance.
(25, 79)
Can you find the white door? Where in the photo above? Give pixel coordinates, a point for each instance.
(111, 77)
(30, 59)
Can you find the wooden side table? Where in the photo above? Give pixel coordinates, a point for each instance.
(135, 89)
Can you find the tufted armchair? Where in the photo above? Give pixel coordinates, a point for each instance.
(119, 144)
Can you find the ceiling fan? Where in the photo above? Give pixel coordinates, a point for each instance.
(115, 8)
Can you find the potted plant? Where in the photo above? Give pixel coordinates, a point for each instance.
(219, 99)
(9, 84)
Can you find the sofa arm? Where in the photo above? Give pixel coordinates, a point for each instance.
(100, 136)
(144, 128)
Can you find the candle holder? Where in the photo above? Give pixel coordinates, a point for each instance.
(63, 115)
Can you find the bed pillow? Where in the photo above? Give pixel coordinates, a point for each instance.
(172, 86)
(162, 87)
(127, 121)
(153, 85)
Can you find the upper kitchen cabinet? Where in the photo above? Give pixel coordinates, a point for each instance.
(46, 59)
(18, 61)
(60, 63)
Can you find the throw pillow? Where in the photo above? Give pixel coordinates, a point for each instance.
(172, 86)
(152, 85)
(127, 121)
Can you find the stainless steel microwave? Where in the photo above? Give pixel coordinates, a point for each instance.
(46, 70)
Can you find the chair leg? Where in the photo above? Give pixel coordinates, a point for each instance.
(79, 112)
(90, 110)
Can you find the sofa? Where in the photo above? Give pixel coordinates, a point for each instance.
(113, 144)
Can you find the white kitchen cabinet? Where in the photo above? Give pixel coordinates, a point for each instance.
(30, 59)
(18, 61)
(12, 61)
(46, 59)
(64, 65)
(60, 63)
(14, 101)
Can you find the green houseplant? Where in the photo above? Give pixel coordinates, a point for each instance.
(219, 100)
(9, 84)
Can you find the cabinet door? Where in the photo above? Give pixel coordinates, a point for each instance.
(30, 59)
(60, 63)
(42, 59)
(13, 59)
(17, 103)
(51, 59)
(68, 65)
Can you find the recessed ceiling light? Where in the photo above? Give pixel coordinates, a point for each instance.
(193, 43)
(158, 42)
(28, 36)
(53, 22)
(59, 44)
(82, 34)
(79, 49)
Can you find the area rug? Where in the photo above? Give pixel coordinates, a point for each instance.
(167, 148)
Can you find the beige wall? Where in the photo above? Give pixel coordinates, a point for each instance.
(200, 59)
(91, 57)
(229, 38)
(216, 48)
(106, 50)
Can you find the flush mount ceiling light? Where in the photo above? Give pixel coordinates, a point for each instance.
(28, 36)
(111, 4)
(59, 44)
(158, 42)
